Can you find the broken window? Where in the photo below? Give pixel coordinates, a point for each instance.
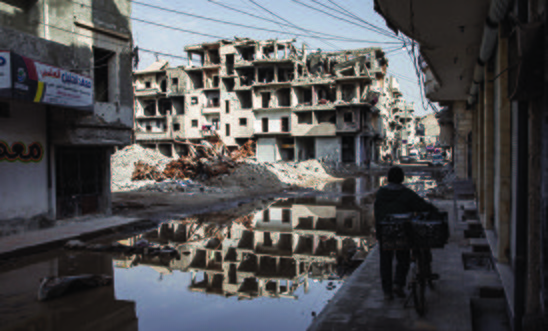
(174, 81)
(247, 76)
(266, 215)
(245, 99)
(215, 81)
(229, 84)
(176, 126)
(165, 106)
(227, 106)
(325, 94)
(213, 99)
(304, 118)
(148, 128)
(101, 73)
(247, 53)
(348, 117)
(147, 85)
(304, 96)
(266, 75)
(163, 85)
(194, 101)
(285, 124)
(267, 239)
(268, 52)
(227, 129)
(284, 97)
(286, 215)
(265, 124)
(214, 57)
(230, 64)
(348, 92)
(326, 117)
(265, 99)
(243, 121)
(194, 123)
(285, 74)
(197, 79)
(150, 108)
(179, 105)
(165, 149)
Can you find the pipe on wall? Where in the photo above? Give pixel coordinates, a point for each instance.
(497, 12)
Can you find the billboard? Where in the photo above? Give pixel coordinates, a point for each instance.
(42, 83)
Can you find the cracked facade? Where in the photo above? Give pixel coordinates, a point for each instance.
(297, 104)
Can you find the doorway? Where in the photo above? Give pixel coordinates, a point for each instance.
(79, 180)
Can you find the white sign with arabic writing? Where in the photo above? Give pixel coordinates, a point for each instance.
(65, 88)
(5, 70)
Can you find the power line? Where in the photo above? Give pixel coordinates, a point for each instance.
(151, 22)
(373, 28)
(283, 19)
(173, 11)
(342, 19)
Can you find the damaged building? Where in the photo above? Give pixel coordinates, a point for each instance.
(295, 103)
(64, 105)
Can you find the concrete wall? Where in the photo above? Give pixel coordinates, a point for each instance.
(24, 190)
(328, 149)
(267, 150)
(274, 120)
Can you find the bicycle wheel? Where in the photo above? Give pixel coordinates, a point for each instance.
(418, 289)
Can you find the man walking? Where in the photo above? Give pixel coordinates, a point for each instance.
(395, 198)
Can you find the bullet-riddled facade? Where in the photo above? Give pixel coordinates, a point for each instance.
(296, 104)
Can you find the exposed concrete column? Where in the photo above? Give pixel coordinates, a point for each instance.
(276, 72)
(156, 106)
(463, 120)
(256, 75)
(189, 59)
(358, 151)
(503, 155)
(480, 188)
(488, 154)
(474, 146)
(339, 92)
(276, 51)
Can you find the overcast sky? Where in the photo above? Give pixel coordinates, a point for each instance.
(162, 39)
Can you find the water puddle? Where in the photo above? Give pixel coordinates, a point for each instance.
(274, 268)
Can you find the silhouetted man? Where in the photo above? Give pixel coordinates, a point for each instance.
(395, 198)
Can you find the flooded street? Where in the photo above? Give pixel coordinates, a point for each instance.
(274, 268)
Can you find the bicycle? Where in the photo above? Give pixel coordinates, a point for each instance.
(421, 275)
(418, 232)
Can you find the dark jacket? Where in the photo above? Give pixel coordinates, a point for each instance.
(398, 199)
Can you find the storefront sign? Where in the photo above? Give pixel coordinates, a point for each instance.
(42, 83)
(5, 74)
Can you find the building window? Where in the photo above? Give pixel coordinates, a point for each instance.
(304, 118)
(147, 84)
(194, 123)
(348, 223)
(101, 73)
(227, 127)
(286, 215)
(149, 128)
(285, 124)
(348, 117)
(266, 215)
(194, 101)
(175, 81)
(243, 121)
(227, 106)
(265, 124)
(176, 126)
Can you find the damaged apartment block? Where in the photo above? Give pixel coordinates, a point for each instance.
(295, 103)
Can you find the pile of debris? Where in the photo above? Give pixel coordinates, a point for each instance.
(204, 160)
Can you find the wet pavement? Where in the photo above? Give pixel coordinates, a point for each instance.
(275, 267)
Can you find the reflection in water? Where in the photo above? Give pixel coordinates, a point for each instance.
(421, 183)
(96, 309)
(267, 254)
(268, 270)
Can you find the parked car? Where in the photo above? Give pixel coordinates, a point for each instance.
(437, 160)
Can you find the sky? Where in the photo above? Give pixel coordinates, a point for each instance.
(287, 17)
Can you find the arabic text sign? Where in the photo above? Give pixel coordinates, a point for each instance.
(5, 70)
(63, 88)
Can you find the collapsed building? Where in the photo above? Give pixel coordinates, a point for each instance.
(295, 103)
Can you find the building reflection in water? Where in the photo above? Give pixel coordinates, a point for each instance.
(270, 253)
(96, 309)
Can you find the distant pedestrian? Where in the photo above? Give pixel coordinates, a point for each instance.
(395, 198)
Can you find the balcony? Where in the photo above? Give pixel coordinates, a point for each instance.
(148, 92)
(312, 130)
(212, 108)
